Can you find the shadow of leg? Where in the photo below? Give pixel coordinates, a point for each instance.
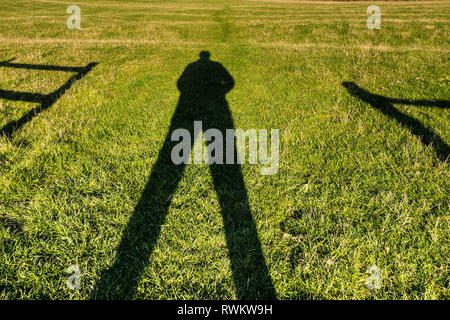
(141, 234)
(250, 273)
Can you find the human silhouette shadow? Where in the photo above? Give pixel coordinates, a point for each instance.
(45, 100)
(203, 86)
(385, 106)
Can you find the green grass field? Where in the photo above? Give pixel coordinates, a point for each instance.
(356, 186)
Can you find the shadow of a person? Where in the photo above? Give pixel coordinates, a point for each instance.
(203, 86)
(385, 106)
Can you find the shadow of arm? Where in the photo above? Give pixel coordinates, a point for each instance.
(227, 80)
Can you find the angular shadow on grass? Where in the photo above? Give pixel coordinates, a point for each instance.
(203, 86)
(385, 106)
(45, 100)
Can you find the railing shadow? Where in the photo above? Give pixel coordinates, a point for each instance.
(385, 106)
(45, 100)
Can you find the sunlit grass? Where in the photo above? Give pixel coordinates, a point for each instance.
(354, 189)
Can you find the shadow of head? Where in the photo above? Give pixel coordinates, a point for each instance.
(204, 55)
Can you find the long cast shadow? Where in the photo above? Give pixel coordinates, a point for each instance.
(385, 106)
(203, 86)
(45, 100)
